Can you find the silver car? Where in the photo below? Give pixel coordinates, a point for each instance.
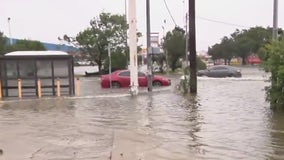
(220, 71)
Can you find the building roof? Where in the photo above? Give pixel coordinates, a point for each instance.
(36, 53)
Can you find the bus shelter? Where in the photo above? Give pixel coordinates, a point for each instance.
(29, 67)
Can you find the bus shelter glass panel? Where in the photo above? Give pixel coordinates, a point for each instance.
(44, 69)
(27, 69)
(47, 87)
(60, 68)
(11, 69)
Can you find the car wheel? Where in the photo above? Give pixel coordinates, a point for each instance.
(157, 84)
(115, 85)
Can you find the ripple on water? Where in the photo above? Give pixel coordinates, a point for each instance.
(228, 119)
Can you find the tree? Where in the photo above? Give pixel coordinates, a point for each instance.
(250, 41)
(215, 52)
(3, 43)
(242, 43)
(228, 49)
(275, 64)
(174, 43)
(26, 45)
(117, 61)
(103, 30)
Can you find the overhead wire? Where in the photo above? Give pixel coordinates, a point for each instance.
(165, 2)
(222, 22)
(204, 18)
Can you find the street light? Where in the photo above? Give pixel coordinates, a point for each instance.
(126, 35)
(10, 37)
(275, 20)
(149, 57)
(109, 65)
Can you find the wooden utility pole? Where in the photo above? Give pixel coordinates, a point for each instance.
(192, 47)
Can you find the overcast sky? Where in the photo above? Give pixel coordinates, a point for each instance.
(46, 20)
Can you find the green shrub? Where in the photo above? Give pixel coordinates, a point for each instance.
(275, 65)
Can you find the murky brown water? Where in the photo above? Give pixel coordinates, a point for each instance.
(229, 119)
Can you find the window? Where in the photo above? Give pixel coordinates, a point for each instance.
(124, 74)
(44, 69)
(11, 67)
(141, 74)
(60, 68)
(26, 69)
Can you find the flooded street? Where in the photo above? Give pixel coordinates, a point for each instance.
(228, 119)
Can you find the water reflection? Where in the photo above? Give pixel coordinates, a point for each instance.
(29, 126)
(277, 136)
(195, 122)
(227, 119)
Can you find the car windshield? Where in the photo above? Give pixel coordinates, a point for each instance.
(221, 68)
(124, 74)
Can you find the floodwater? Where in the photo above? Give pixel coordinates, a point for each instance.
(228, 119)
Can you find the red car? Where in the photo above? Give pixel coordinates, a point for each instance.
(121, 78)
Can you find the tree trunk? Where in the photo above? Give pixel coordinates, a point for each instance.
(229, 61)
(244, 60)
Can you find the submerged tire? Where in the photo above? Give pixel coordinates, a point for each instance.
(115, 85)
(157, 84)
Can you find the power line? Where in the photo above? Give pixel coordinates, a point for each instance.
(170, 12)
(221, 22)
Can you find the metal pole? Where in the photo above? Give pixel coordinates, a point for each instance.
(126, 35)
(109, 65)
(149, 51)
(58, 88)
(275, 20)
(20, 88)
(186, 41)
(165, 50)
(133, 47)
(10, 36)
(78, 86)
(192, 47)
(39, 88)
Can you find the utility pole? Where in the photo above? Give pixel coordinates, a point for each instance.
(192, 47)
(133, 48)
(126, 35)
(10, 31)
(109, 65)
(186, 40)
(149, 49)
(165, 50)
(275, 21)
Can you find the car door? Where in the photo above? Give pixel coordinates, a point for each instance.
(221, 71)
(142, 79)
(217, 71)
(124, 78)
